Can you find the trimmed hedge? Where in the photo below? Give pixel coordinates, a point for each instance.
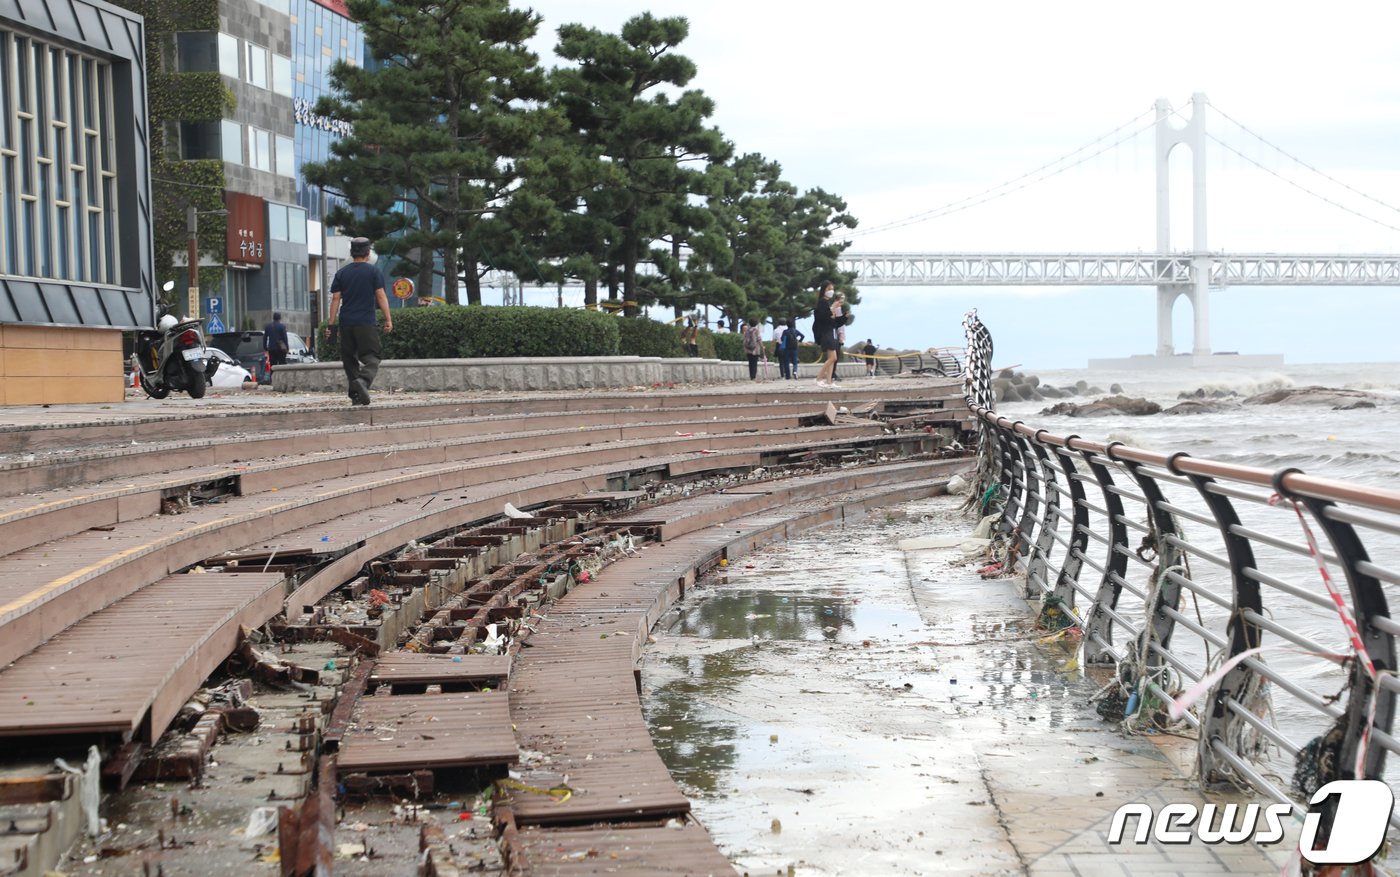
(642, 336)
(468, 332)
(728, 345)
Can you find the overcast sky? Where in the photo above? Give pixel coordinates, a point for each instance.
(903, 107)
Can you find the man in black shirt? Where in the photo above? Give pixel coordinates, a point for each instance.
(275, 340)
(355, 291)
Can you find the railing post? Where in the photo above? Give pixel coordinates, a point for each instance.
(1098, 625)
(1216, 718)
(1368, 602)
(1038, 562)
(1078, 536)
(1159, 624)
(1034, 492)
(1008, 449)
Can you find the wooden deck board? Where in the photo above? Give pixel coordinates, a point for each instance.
(101, 676)
(412, 668)
(417, 731)
(650, 850)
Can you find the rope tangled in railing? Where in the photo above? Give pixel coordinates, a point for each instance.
(1242, 737)
(1353, 634)
(1134, 696)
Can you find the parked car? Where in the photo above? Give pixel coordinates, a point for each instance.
(247, 348)
(229, 373)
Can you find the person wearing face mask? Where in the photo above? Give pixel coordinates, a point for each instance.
(824, 328)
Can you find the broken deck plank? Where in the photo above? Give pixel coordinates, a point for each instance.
(414, 668)
(411, 731)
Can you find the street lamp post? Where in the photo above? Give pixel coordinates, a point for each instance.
(192, 227)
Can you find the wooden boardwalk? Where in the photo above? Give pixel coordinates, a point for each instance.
(104, 635)
(102, 676)
(574, 698)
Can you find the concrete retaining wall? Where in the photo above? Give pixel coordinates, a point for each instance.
(552, 373)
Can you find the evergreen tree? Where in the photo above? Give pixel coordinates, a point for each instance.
(776, 243)
(444, 118)
(808, 255)
(655, 150)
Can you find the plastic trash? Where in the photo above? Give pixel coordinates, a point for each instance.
(263, 820)
(494, 643)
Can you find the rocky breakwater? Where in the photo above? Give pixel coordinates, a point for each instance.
(1014, 386)
(1337, 399)
(1204, 401)
(1108, 405)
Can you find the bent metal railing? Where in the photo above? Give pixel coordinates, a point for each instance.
(1184, 573)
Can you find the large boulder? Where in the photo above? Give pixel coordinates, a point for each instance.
(1109, 405)
(1334, 397)
(1202, 406)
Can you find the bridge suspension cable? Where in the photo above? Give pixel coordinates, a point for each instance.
(1285, 153)
(1299, 186)
(1005, 188)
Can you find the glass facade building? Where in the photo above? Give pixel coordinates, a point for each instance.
(322, 34)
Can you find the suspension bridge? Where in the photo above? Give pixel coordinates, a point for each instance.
(1189, 274)
(1182, 274)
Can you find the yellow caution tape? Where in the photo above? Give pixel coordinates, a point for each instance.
(561, 793)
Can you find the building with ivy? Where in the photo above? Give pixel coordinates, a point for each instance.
(76, 255)
(239, 51)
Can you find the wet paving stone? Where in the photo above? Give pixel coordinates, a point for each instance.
(834, 705)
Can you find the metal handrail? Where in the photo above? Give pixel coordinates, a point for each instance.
(1229, 535)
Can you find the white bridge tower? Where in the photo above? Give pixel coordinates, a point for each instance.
(1197, 291)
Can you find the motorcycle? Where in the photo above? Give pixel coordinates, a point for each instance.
(172, 357)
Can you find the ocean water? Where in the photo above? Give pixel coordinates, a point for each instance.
(1358, 445)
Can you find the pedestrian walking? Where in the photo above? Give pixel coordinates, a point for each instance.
(787, 358)
(869, 351)
(275, 341)
(824, 328)
(839, 318)
(753, 346)
(355, 292)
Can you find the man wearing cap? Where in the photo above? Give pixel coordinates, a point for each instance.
(355, 291)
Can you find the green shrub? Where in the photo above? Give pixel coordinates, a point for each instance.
(809, 353)
(705, 345)
(454, 332)
(728, 345)
(642, 336)
(526, 331)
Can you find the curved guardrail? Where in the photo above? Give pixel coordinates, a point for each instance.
(1207, 585)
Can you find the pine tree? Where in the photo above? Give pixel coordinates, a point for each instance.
(444, 117)
(655, 150)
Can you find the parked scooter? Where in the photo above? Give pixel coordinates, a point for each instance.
(172, 357)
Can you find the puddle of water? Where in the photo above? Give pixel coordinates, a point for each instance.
(820, 717)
